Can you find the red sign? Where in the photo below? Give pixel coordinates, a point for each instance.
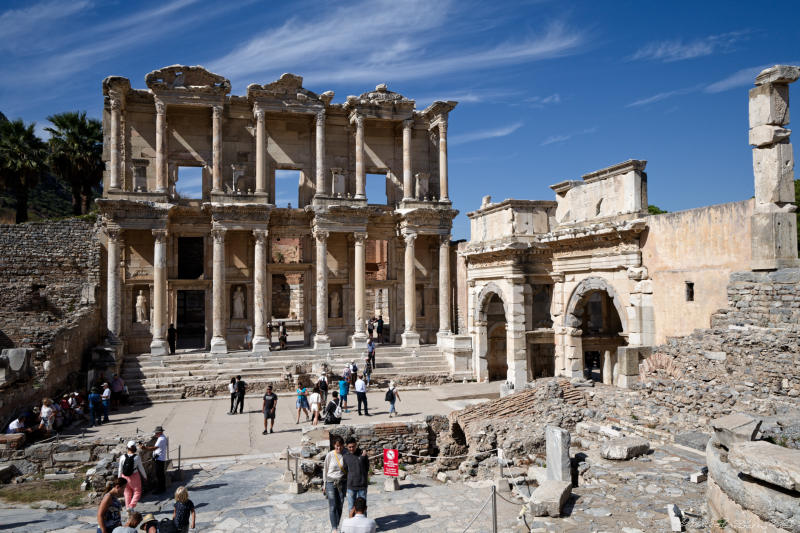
(391, 463)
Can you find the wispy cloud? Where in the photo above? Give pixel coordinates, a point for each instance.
(678, 50)
(662, 96)
(472, 96)
(542, 101)
(21, 29)
(740, 78)
(485, 134)
(563, 137)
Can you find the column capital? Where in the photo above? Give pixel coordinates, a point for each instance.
(259, 114)
(261, 235)
(409, 237)
(444, 240)
(408, 124)
(320, 234)
(360, 237)
(319, 117)
(218, 234)
(114, 233)
(358, 119)
(161, 107)
(115, 103)
(160, 235)
(216, 111)
(443, 127)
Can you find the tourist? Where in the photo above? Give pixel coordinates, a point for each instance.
(134, 519)
(149, 524)
(367, 370)
(58, 419)
(315, 400)
(18, 426)
(334, 481)
(172, 338)
(106, 399)
(232, 390)
(392, 395)
(248, 338)
(108, 513)
(268, 407)
(183, 509)
(353, 372)
(356, 464)
(131, 469)
(333, 411)
(344, 389)
(371, 352)
(269, 334)
(66, 410)
(76, 405)
(95, 407)
(161, 456)
(379, 329)
(283, 335)
(302, 403)
(47, 416)
(361, 395)
(241, 388)
(358, 521)
(370, 327)
(323, 387)
(117, 390)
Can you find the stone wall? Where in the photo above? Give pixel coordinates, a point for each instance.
(418, 438)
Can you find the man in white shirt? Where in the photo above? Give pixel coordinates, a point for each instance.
(358, 521)
(106, 397)
(161, 455)
(361, 394)
(18, 426)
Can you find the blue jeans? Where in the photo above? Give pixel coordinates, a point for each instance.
(335, 502)
(105, 410)
(352, 495)
(391, 407)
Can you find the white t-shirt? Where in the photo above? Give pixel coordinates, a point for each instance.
(14, 426)
(107, 394)
(359, 524)
(46, 412)
(314, 400)
(361, 386)
(231, 387)
(162, 453)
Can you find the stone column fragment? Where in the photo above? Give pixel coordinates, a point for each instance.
(113, 295)
(557, 442)
(320, 142)
(360, 172)
(261, 172)
(443, 194)
(216, 156)
(158, 346)
(260, 341)
(359, 336)
(321, 340)
(161, 148)
(408, 180)
(410, 336)
(218, 292)
(444, 286)
(114, 150)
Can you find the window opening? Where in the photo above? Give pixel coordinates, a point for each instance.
(689, 291)
(376, 189)
(190, 182)
(287, 187)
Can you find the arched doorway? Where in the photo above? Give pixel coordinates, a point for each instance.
(496, 353)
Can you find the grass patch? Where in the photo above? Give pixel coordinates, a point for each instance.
(67, 492)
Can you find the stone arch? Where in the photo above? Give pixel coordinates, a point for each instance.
(572, 318)
(483, 297)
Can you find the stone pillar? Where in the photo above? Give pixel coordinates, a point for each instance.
(608, 367)
(443, 196)
(359, 336)
(261, 171)
(260, 341)
(773, 223)
(444, 288)
(161, 149)
(159, 346)
(320, 139)
(408, 182)
(115, 166)
(218, 292)
(516, 345)
(557, 441)
(573, 352)
(410, 336)
(321, 339)
(360, 172)
(113, 295)
(216, 164)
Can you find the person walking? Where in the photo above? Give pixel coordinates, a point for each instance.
(367, 370)
(361, 395)
(131, 469)
(333, 411)
(108, 513)
(248, 338)
(47, 416)
(241, 388)
(315, 400)
(172, 338)
(379, 329)
(161, 456)
(356, 464)
(371, 352)
(392, 395)
(268, 407)
(371, 327)
(106, 398)
(358, 521)
(344, 389)
(117, 389)
(183, 509)
(283, 335)
(232, 391)
(302, 403)
(334, 481)
(323, 387)
(95, 407)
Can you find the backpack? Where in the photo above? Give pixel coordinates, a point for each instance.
(323, 385)
(389, 395)
(129, 465)
(167, 526)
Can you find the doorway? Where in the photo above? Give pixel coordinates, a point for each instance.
(191, 319)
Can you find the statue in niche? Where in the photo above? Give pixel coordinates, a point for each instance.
(238, 303)
(141, 308)
(336, 303)
(420, 303)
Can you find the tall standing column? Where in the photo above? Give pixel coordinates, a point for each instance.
(320, 139)
(260, 341)
(261, 174)
(444, 286)
(218, 343)
(114, 170)
(113, 296)
(360, 172)
(158, 346)
(410, 336)
(321, 339)
(216, 164)
(359, 336)
(408, 180)
(161, 156)
(443, 195)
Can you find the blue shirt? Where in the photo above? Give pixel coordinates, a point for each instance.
(94, 399)
(344, 387)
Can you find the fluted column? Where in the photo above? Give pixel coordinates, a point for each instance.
(360, 172)
(113, 295)
(444, 286)
(410, 336)
(321, 339)
(260, 341)
(320, 141)
(261, 171)
(158, 346)
(443, 195)
(161, 138)
(216, 164)
(218, 343)
(359, 336)
(408, 180)
(114, 170)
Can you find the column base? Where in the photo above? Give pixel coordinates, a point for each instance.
(410, 339)
(441, 336)
(260, 344)
(159, 347)
(218, 345)
(359, 340)
(360, 196)
(322, 342)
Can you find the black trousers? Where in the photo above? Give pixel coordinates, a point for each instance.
(362, 398)
(239, 403)
(233, 401)
(161, 467)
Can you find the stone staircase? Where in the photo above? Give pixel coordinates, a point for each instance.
(198, 374)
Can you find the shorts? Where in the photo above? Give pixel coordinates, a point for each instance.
(269, 414)
(314, 408)
(343, 398)
(301, 403)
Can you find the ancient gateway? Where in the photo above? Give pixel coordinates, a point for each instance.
(222, 258)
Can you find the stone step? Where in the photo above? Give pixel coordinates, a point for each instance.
(289, 355)
(270, 363)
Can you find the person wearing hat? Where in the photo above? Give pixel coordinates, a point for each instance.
(130, 467)
(149, 524)
(161, 455)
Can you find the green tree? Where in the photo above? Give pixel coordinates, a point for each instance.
(23, 159)
(655, 210)
(76, 155)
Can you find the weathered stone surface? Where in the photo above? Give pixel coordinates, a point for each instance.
(715, 356)
(7, 472)
(674, 514)
(558, 463)
(391, 484)
(59, 477)
(773, 168)
(768, 462)
(734, 428)
(693, 439)
(624, 448)
(769, 104)
(778, 74)
(14, 441)
(72, 457)
(549, 498)
(768, 134)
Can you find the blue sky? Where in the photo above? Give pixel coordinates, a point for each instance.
(548, 90)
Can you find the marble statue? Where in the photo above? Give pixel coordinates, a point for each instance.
(238, 303)
(335, 303)
(141, 308)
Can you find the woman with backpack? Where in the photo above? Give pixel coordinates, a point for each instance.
(392, 395)
(131, 469)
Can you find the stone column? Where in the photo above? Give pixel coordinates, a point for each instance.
(260, 341)
(516, 346)
(261, 171)
(408, 180)
(115, 166)
(360, 173)
(113, 295)
(216, 165)
(161, 149)
(359, 336)
(159, 346)
(321, 339)
(218, 343)
(443, 196)
(410, 336)
(444, 287)
(573, 352)
(320, 140)
(608, 367)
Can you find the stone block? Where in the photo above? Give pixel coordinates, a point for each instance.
(693, 439)
(39, 452)
(773, 240)
(769, 104)
(549, 498)
(674, 514)
(558, 463)
(391, 484)
(768, 134)
(698, 477)
(624, 448)
(715, 356)
(72, 457)
(295, 488)
(13, 441)
(734, 428)
(441, 477)
(7, 472)
(768, 462)
(15, 364)
(537, 473)
(773, 171)
(59, 476)
(783, 74)
(502, 485)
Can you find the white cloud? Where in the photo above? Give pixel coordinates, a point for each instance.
(485, 134)
(466, 97)
(663, 96)
(563, 137)
(21, 29)
(740, 78)
(677, 50)
(539, 101)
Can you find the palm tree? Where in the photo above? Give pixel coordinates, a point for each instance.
(76, 155)
(23, 158)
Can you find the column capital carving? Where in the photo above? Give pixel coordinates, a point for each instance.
(160, 236)
(320, 234)
(218, 234)
(359, 120)
(113, 233)
(259, 114)
(261, 235)
(115, 103)
(320, 117)
(360, 237)
(443, 127)
(161, 107)
(408, 124)
(216, 111)
(444, 241)
(410, 237)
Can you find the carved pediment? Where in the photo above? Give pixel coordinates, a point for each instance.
(182, 77)
(287, 87)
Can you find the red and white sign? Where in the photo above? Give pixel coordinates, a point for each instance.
(391, 463)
